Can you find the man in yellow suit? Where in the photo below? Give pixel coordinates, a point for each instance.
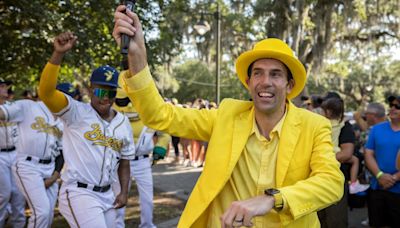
(269, 163)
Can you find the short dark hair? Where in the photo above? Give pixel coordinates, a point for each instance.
(336, 106)
(250, 69)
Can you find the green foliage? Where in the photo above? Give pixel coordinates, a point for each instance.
(332, 38)
(28, 28)
(195, 81)
(367, 79)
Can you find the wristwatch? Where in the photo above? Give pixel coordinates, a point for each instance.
(277, 196)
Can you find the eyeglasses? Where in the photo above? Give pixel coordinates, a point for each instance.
(102, 93)
(396, 106)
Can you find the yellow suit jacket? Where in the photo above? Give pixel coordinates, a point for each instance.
(307, 172)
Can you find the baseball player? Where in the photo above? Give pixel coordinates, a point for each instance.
(97, 143)
(141, 165)
(9, 193)
(37, 148)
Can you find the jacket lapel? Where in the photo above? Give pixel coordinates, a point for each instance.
(287, 143)
(241, 131)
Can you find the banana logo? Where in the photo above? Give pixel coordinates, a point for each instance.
(108, 75)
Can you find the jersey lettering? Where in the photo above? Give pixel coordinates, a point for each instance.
(41, 126)
(99, 138)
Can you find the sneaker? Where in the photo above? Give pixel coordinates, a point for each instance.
(186, 163)
(356, 187)
(365, 222)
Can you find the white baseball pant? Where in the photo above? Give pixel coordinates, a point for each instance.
(29, 176)
(9, 193)
(141, 172)
(83, 207)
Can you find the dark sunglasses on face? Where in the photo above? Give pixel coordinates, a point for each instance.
(102, 93)
(396, 106)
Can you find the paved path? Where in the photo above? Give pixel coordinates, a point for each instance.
(177, 180)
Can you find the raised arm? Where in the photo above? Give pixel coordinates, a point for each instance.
(130, 25)
(54, 99)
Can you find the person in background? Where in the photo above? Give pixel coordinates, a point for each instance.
(333, 109)
(380, 155)
(10, 195)
(140, 166)
(336, 215)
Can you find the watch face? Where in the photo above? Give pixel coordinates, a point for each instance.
(271, 191)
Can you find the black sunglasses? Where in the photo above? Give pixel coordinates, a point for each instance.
(396, 106)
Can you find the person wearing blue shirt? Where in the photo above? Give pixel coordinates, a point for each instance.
(380, 156)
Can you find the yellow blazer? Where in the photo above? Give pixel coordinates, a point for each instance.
(307, 172)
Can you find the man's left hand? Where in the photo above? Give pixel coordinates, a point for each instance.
(240, 213)
(120, 200)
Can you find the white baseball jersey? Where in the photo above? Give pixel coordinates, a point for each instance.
(38, 130)
(145, 143)
(8, 134)
(92, 146)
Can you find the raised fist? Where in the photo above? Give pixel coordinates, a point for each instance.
(64, 42)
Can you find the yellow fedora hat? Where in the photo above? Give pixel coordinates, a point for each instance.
(272, 48)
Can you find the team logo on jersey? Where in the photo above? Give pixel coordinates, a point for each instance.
(98, 138)
(41, 126)
(108, 75)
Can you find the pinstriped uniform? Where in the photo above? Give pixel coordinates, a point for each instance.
(39, 134)
(9, 193)
(92, 148)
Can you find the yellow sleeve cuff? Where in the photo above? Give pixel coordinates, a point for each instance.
(138, 81)
(285, 205)
(52, 68)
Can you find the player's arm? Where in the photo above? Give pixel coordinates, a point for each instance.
(124, 174)
(54, 99)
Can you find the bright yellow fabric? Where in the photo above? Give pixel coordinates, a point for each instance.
(54, 99)
(336, 127)
(307, 172)
(163, 139)
(254, 172)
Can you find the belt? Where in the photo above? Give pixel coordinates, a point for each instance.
(140, 157)
(41, 161)
(11, 149)
(95, 188)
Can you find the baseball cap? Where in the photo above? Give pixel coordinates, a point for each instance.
(105, 75)
(3, 81)
(67, 88)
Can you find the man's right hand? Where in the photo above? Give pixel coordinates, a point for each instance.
(386, 181)
(127, 22)
(64, 42)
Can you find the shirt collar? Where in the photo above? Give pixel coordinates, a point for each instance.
(277, 128)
